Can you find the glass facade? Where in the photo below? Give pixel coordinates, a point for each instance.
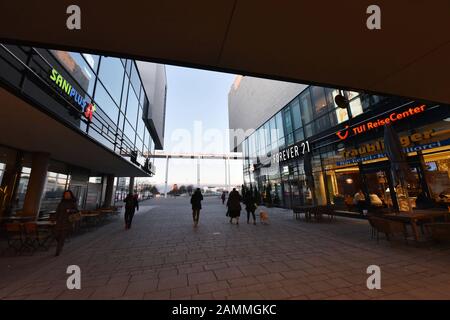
(115, 86)
(101, 97)
(342, 168)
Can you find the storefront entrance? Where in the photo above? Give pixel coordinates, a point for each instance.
(373, 182)
(377, 186)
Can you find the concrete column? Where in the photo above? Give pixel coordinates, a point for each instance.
(131, 186)
(10, 182)
(198, 172)
(226, 174)
(167, 176)
(109, 191)
(229, 174)
(36, 184)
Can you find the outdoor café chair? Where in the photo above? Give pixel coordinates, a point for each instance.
(14, 236)
(389, 227)
(36, 237)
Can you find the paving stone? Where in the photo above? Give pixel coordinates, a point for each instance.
(228, 273)
(172, 282)
(109, 291)
(164, 257)
(157, 295)
(213, 286)
(142, 286)
(183, 292)
(201, 277)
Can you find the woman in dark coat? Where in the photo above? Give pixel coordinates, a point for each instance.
(250, 206)
(196, 201)
(131, 204)
(234, 205)
(66, 207)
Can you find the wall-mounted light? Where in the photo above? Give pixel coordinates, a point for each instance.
(349, 181)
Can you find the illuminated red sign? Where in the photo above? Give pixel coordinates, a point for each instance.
(370, 125)
(89, 111)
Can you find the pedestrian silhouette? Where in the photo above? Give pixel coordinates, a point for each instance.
(196, 202)
(66, 207)
(223, 197)
(234, 205)
(131, 204)
(250, 206)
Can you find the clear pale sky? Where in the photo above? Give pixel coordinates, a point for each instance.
(196, 121)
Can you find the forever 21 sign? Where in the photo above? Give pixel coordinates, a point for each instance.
(292, 152)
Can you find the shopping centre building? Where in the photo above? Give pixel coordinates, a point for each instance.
(75, 121)
(288, 125)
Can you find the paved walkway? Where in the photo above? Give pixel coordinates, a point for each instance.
(164, 257)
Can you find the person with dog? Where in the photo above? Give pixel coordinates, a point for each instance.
(234, 205)
(250, 206)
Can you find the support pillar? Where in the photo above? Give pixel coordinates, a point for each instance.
(109, 191)
(131, 186)
(226, 174)
(229, 175)
(36, 184)
(167, 176)
(198, 172)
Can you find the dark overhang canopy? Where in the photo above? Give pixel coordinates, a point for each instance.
(318, 42)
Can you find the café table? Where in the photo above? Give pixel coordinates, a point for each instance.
(45, 223)
(18, 219)
(303, 209)
(417, 217)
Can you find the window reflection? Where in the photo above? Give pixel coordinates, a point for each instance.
(135, 80)
(78, 68)
(287, 121)
(355, 103)
(111, 74)
(319, 99)
(306, 107)
(92, 60)
(105, 102)
(296, 117)
(129, 132)
(132, 108)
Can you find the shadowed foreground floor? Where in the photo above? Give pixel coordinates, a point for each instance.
(164, 257)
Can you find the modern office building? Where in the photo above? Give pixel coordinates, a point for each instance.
(75, 120)
(301, 148)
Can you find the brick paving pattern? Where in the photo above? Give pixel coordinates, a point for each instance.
(164, 257)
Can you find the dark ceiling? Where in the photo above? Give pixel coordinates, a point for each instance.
(317, 42)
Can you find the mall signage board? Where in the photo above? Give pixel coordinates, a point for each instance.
(379, 122)
(293, 152)
(87, 107)
(417, 148)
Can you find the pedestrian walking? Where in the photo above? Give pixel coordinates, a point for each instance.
(223, 197)
(66, 207)
(234, 205)
(131, 204)
(250, 206)
(196, 202)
